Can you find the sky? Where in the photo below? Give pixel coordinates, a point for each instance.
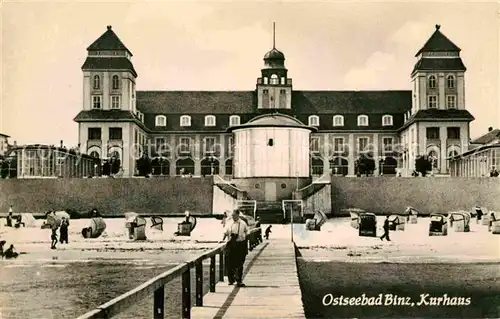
(220, 46)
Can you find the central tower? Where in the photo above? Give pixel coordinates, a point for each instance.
(274, 89)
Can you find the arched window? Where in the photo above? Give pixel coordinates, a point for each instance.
(450, 81)
(362, 120)
(185, 120)
(387, 120)
(161, 120)
(94, 154)
(432, 82)
(338, 120)
(433, 157)
(234, 120)
(209, 120)
(97, 82)
(313, 120)
(115, 82)
(274, 79)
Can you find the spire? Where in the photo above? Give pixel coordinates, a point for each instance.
(274, 35)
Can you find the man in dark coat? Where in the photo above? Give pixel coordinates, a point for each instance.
(386, 229)
(63, 231)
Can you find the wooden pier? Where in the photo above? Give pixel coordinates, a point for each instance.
(272, 288)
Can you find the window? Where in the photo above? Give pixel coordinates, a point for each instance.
(97, 82)
(230, 145)
(234, 120)
(94, 133)
(185, 144)
(209, 120)
(270, 142)
(94, 154)
(266, 80)
(96, 101)
(115, 133)
(338, 120)
(363, 120)
(432, 133)
(159, 144)
(115, 82)
(450, 82)
(387, 120)
(362, 144)
(161, 120)
(209, 144)
(185, 120)
(283, 80)
(432, 82)
(313, 120)
(274, 79)
(451, 101)
(338, 144)
(388, 144)
(315, 144)
(453, 132)
(282, 91)
(432, 102)
(265, 91)
(433, 157)
(115, 102)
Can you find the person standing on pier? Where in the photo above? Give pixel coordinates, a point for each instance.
(236, 248)
(386, 229)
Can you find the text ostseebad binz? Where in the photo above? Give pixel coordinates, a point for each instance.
(395, 300)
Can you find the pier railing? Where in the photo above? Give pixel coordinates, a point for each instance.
(156, 285)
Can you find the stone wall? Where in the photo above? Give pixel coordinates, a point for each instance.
(112, 197)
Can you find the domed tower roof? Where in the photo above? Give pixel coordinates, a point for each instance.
(273, 120)
(274, 59)
(274, 54)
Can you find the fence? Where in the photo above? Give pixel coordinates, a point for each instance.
(156, 285)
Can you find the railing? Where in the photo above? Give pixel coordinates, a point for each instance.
(156, 285)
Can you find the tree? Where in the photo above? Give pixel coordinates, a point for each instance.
(365, 165)
(144, 166)
(423, 165)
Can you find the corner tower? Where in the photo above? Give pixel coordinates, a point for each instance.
(438, 76)
(274, 89)
(108, 75)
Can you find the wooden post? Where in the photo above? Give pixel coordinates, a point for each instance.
(159, 302)
(221, 266)
(212, 274)
(186, 294)
(199, 283)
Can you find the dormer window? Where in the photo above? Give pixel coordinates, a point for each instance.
(266, 80)
(274, 79)
(115, 82)
(387, 120)
(161, 120)
(283, 80)
(209, 120)
(185, 120)
(338, 120)
(97, 82)
(363, 120)
(313, 120)
(450, 82)
(432, 82)
(234, 120)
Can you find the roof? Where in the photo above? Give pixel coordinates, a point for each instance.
(355, 102)
(4, 135)
(273, 120)
(444, 64)
(438, 42)
(108, 115)
(109, 63)
(108, 41)
(50, 147)
(474, 151)
(439, 115)
(488, 137)
(274, 54)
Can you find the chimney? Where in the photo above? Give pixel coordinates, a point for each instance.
(490, 129)
(62, 144)
(15, 143)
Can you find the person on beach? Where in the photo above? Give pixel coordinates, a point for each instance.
(386, 229)
(10, 253)
(63, 230)
(268, 231)
(236, 248)
(2, 243)
(53, 237)
(9, 218)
